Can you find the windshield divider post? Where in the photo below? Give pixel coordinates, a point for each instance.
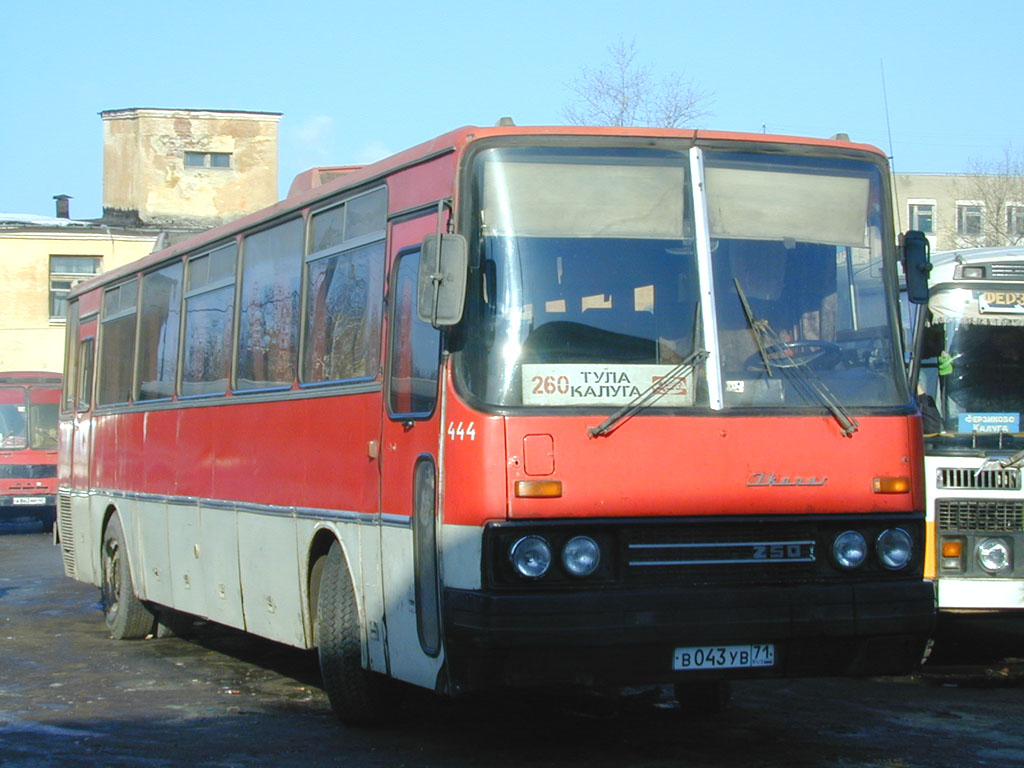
(705, 278)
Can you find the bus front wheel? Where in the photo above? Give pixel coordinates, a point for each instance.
(357, 696)
(126, 616)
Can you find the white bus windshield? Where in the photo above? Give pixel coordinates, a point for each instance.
(587, 283)
(973, 372)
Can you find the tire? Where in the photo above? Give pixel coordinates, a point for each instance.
(126, 616)
(357, 696)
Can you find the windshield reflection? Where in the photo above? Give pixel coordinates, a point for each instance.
(973, 377)
(585, 287)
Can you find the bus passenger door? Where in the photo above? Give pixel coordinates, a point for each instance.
(76, 522)
(410, 472)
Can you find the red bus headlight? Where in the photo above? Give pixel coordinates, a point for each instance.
(581, 555)
(849, 550)
(895, 548)
(531, 557)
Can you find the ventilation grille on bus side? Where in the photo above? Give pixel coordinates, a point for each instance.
(980, 515)
(972, 480)
(67, 533)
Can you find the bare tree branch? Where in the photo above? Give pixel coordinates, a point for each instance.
(997, 187)
(626, 93)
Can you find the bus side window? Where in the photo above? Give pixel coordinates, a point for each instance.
(85, 367)
(71, 359)
(414, 350)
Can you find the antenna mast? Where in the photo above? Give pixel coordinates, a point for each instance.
(892, 162)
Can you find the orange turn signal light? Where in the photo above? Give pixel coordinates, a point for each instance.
(892, 485)
(952, 548)
(538, 489)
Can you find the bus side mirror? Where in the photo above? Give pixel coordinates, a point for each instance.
(917, 264)
(441, 283)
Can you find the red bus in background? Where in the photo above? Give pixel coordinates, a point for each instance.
(28, 445)
(517, 407)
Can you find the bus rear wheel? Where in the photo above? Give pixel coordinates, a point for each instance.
(357, 696)
(126, 616)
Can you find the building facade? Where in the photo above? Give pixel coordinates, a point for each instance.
(962, 210)
(40, 260)
(191, 169)
(166, 174)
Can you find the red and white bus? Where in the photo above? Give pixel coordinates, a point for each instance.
(517, 407)
(28, 445)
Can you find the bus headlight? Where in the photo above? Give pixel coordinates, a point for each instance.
(581, 556)
(849, 550)
(994, 555)
(531, 557)
(895, 548)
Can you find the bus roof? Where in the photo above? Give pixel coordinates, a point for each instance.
(315, 184)
(945, 263)
(26, 378)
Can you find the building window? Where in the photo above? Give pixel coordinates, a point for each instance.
(207, 159)
(922, 217)
(65, 273)
(968, 219)
(1015, 220)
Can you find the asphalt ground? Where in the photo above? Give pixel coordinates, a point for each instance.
(71, 696)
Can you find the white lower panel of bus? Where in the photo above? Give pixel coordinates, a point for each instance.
(980, 594)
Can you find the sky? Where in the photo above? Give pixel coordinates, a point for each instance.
(932, 84)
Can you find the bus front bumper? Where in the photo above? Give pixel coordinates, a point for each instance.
(630, 637)
(15, 504)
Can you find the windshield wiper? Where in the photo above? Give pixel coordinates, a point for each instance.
(649, 396)
(798, 372)
(1011, 462)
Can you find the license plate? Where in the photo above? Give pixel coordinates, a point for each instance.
(724, 657)
(30, 501)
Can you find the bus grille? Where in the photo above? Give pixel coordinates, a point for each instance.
(980, 515)
(27, 471)
(711, 555)
(67, 534)
(958, 478)
(1006, 271)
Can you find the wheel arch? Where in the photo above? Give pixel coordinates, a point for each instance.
(109, 512)
(320, 545)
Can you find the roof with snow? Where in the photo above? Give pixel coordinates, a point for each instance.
(31, 220)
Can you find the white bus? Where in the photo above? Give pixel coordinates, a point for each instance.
(972, 394)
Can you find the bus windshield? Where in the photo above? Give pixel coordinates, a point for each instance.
(13, 421)
(592, 279)
(974, 370)
(28, 418)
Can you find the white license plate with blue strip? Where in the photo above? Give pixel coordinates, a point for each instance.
(724, 657)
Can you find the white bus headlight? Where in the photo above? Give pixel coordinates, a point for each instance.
(849, 550)
(895, 548)
(581, 556)
(531, 557)
(994, 555)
